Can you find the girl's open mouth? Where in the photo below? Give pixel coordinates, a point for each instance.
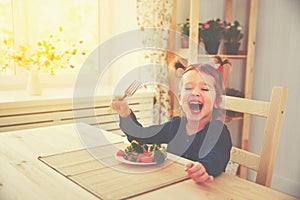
(195, 106)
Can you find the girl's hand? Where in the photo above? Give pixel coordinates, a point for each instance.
(121, 106)
(198, 173)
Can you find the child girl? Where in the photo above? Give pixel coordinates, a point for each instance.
(198, 134)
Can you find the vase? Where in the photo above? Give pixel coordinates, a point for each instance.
(232, 48)
(212, 47)
(33, 83)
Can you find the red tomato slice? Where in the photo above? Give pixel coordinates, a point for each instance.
(146, 151)
(129, 158)
(120, 153)
(149, 153)
(139, 157)
(147, 159)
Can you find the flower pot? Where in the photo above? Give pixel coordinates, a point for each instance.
(212, 47)
(33, 83)
(232, 48)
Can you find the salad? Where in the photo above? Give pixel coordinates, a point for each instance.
(143, 153)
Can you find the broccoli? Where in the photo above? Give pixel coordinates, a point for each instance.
(160, 155)
(136, 147)
(128, 149)
(155, 147)
(145, 147)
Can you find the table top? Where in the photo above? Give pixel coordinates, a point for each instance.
(24, 176)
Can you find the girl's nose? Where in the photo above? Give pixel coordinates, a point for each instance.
(196, 92)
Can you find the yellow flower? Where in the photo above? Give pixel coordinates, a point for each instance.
(48, 55)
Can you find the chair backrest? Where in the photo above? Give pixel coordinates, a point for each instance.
(273, 111)
(140, 103)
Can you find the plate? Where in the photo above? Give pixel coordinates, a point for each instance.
(123, 160)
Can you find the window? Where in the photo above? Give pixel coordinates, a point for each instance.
(6, 35)
(93, 22)
(68, 20)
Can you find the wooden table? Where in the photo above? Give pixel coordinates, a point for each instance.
(23, 176)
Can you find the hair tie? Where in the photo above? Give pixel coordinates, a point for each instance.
(220, 68)
(180, 66)
(179, 72)
(218, 60)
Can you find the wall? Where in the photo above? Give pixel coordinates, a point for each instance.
(276, 57)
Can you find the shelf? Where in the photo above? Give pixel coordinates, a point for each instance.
(223, 55)
(185, 52)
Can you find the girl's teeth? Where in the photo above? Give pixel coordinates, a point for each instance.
(195, 105)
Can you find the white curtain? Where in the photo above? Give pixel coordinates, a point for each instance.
(154, 20)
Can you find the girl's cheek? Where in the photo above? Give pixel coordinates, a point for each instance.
(184, 100)
(188, 92)
(185, 96)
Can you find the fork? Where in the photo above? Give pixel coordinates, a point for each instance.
(132, 88)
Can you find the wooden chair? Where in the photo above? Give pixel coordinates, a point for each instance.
(25, 115)
(273, 111)
(140, 103)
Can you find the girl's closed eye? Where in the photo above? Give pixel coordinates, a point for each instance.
(206, 89)
(188, 87)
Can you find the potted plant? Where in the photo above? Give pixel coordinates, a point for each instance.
(233, 34)
(185, 33)
(211, 32)
(48, 56)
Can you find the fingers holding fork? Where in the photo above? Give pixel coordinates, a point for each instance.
(120, 106)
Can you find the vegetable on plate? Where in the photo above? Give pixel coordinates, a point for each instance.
(143, 153)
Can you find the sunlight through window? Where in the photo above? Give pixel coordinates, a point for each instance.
(77, 18)
(72, 22)
(6, 36)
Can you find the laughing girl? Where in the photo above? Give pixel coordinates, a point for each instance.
(198, 134)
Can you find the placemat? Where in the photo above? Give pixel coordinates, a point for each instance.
(97, 171)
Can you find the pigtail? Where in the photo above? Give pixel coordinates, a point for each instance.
(180, 66)
(221, 62)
